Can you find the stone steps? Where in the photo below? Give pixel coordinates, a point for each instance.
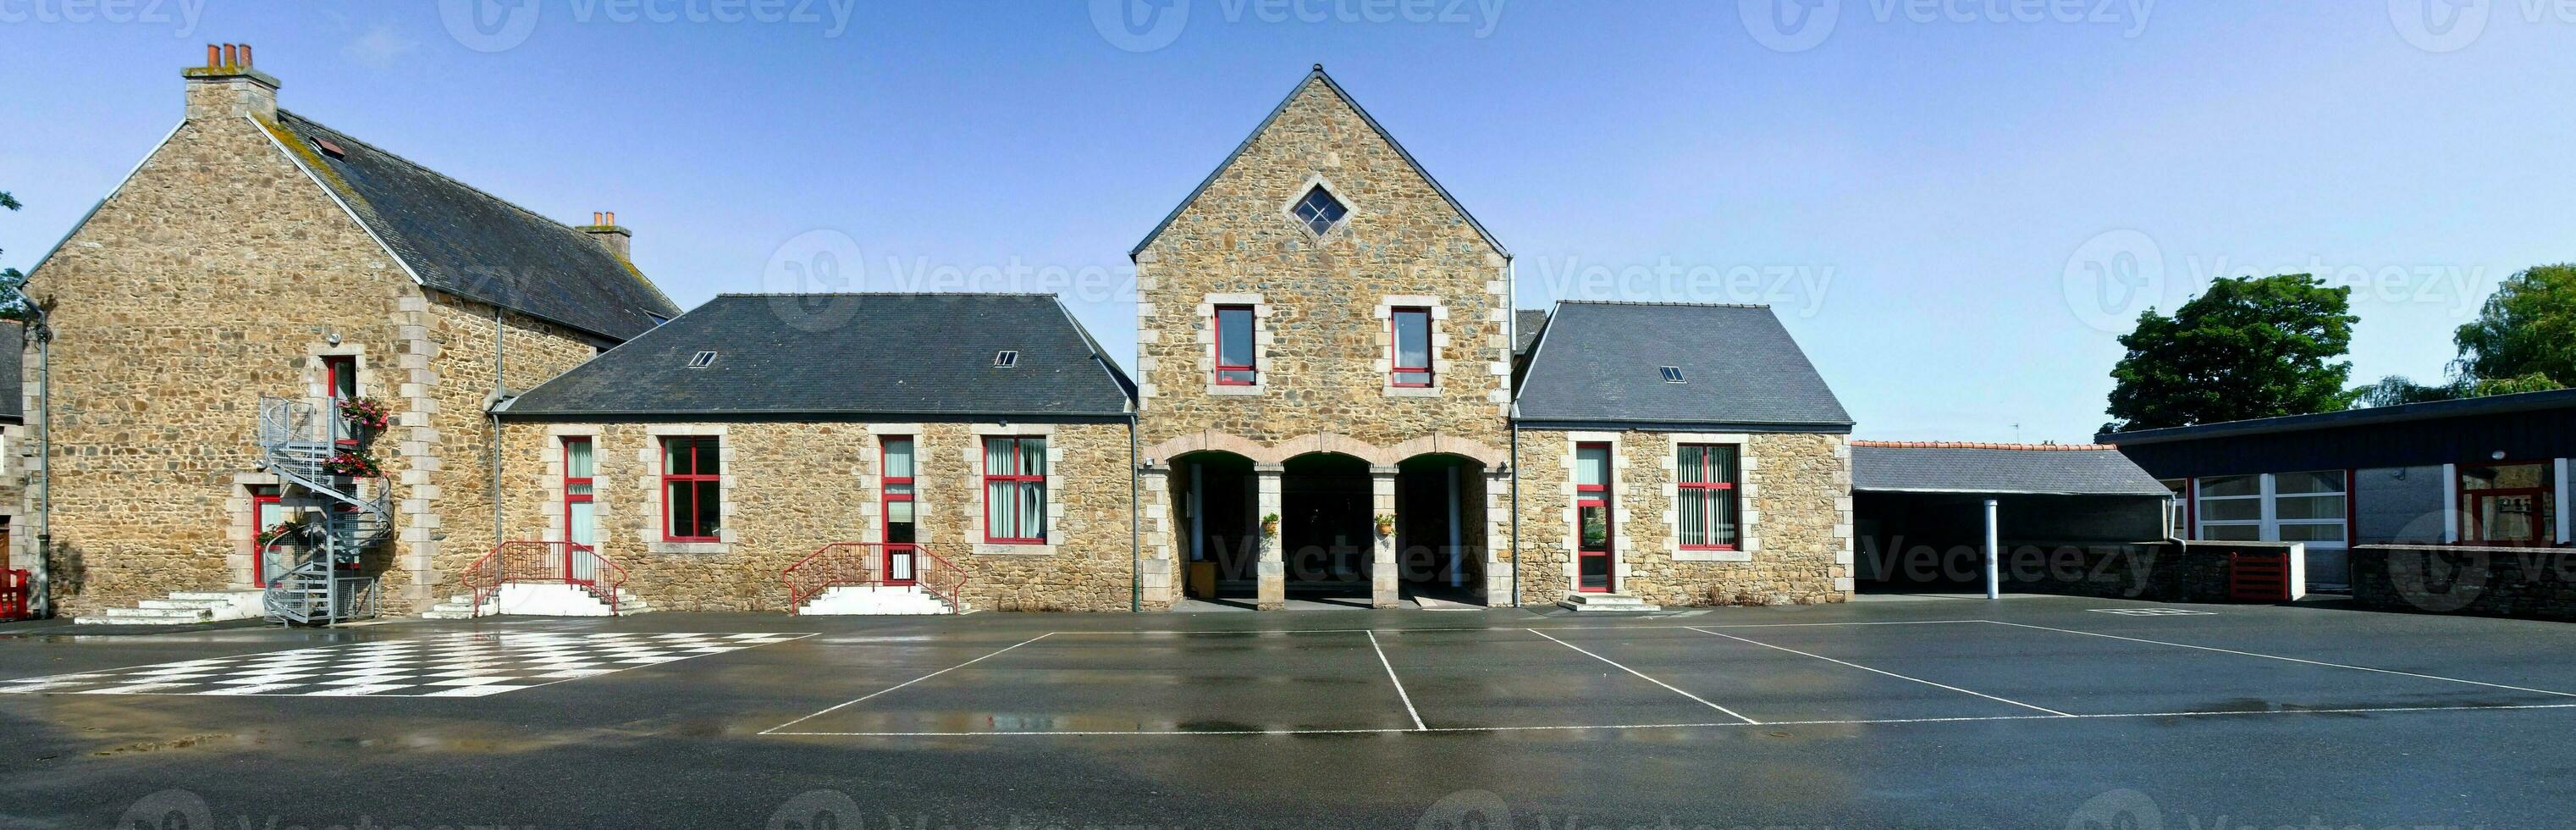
(182, 608)
(858, 600)
(538, 600)
(1599, 603)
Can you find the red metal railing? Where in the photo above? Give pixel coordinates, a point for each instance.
(872, 565)
(14, 592)
(552, 563)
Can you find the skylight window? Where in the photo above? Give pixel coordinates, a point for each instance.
(1005, 359)
(1672, 374)
(702, 360)
(1320, 211)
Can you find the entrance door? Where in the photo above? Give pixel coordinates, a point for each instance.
(580, 530)
(901, 547)
(2511, 517)
(1594, 550)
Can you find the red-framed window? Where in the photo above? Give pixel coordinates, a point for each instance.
(340, 376)
(267, 509)
(1409, 331)
(692, 488)
(1596, 564)
(1234, 346)
(2509, 503)
(1706, 475)
(1015, 490)
(895, 457)
(580, 463)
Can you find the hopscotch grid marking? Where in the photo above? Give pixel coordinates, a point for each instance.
(2288, 659)
(1403, 630)
(1710, 725)
(451, 637)
(1667, 686)
(1418, 726)
(1888, 673)
(873, 694)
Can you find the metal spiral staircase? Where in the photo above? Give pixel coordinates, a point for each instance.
(319, 583)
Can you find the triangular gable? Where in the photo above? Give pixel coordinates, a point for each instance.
(1318, 76)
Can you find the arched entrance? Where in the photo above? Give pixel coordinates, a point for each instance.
(1215, 494)
(1440, 528)
(1327, 540)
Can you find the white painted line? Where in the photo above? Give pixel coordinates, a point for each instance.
(1888, 673)
(1667, 686)
(1402, 630)
(2291, 659)
(1714, 725)
(1399, 683)
(864, 698)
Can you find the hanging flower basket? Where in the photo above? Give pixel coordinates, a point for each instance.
(278, 531)
(1386, 524)
(353, 464)
(1270, 525)
(367, 414)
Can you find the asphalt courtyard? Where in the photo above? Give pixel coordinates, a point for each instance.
(2028, 712)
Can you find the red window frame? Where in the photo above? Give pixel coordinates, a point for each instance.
(587, 484)
(697, 444)
(262, 497)
(2473, 526)
(885, 509)
(1019, 443)
(1217, 324)
(1396, 369)
(1597, 495)
(335, 369)
(1709, 470)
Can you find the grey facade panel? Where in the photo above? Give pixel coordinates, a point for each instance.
(2392, 505)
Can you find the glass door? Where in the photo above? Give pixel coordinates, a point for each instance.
(1595, 571)
(900, 545)
(580, 531)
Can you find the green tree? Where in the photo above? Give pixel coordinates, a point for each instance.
(13, 304)
(2398, 390)
(2248, 348)
(2527, 328)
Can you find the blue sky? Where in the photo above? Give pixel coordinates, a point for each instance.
(1930, 192)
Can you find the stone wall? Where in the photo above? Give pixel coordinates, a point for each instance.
(215, 275)
(793, 487)
(1796, 502)
(2452, 579)
(1323, 300)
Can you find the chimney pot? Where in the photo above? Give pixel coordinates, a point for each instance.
(214, 56)
(603, 227)
(245, 55)
(230, 59)
(612, 217)
(228, 87)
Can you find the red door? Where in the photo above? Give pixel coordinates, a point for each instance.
(1595, 559)
(896, 455)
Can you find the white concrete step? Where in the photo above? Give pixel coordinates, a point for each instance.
(183, 608)
(538, 600)
(1593, 603)
(855, 600)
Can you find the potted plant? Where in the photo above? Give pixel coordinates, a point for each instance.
(278, 531)
(351, 464)
(366, 414)
(1386, 524)
(1270, 525)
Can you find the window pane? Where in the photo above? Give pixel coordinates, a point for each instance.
(1242, 376)
(2308, 507)
(1694, 516)
(1413, 338)
(1693, 464)
(675, 503)
(577, 461)
(2507, 477)
(899, 512)
(2312, 533)
(2233, 533)
(676, 459)
(997, 456)
(577, 489)
(1596, 528)
(1032, 510)
(2231, 486)
(2325, 482)
(710, 456)
(2231, 510)
(1725, 531)
(1721, 465)
(1033, 456)
(1413, 378)
(998, 516)
(898, 458)
(1234, 336)
(578, 522)
(709, 503)
(1592, 465)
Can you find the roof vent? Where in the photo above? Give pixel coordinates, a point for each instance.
(328, 147)
(1005, 359)
(1672, 374)
(702, 360)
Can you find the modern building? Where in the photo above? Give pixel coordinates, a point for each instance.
(416, 397)
(1923, 517)
(2484, 471)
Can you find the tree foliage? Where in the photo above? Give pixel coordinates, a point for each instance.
(2527, 328)
(13, 304)
(2248, 348)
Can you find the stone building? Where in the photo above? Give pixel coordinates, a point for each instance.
(258, 269)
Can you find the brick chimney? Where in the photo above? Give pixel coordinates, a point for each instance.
(227, 86)
(616, 238)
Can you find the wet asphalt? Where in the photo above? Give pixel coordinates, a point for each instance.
(1943, 713)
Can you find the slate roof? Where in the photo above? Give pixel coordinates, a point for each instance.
(13, 356)
(1599, 363)
(463, 241)
(2010, 469)
(847, 355)
(2517, 403)
(1526, 324)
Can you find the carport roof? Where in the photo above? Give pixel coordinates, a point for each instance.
(2008, 469)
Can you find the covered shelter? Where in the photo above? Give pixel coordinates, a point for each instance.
(1921, 519)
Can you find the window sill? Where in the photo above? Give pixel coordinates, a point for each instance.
(1013, 549)
(1229, 389)
(689, 547)
(1412, 391)
(1713, 556)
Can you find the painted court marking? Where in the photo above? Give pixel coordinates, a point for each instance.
(865, 698)
(2289, 659)
(1888, 673)
(1399, 683)
(1667, 686)
(450, 665)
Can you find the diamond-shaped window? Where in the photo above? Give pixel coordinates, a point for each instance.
(1320, 211)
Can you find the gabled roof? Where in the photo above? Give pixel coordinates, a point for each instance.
(832, 356)
(2006, 469)
(1317, 76)
(1601, 363)
(1526, 324)
(462, 241)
